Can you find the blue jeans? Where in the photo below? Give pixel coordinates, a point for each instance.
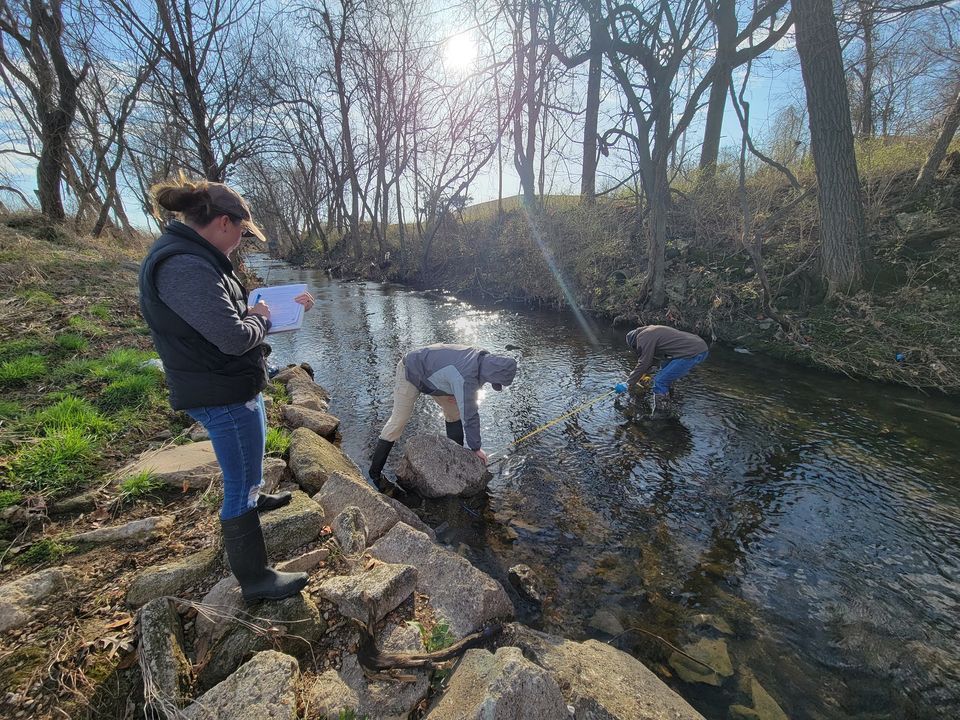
(674, 370)
(239, 436)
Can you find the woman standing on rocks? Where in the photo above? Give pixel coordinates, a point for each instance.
(211, 345)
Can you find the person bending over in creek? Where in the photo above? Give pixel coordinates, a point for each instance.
(682, 351)
(452, 375)
(213, 353)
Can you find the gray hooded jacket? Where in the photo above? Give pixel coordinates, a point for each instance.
(460, 371)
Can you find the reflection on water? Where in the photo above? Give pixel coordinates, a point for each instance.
(811, 523)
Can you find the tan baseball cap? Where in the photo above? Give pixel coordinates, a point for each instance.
(230, 203)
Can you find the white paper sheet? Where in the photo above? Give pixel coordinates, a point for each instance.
(285, 314)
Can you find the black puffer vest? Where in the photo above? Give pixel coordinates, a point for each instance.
(197, 373)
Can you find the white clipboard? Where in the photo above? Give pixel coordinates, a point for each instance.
(285, 313)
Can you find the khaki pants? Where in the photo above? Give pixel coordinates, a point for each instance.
(405, 396)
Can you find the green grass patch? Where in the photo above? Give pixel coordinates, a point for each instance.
(125, 361)
(56, 463)
(9, 497)
(13, 349)
(440, 637)
(44, 551)
(37, 298)
(278, 441)
(141, 485)
(71, 343)
(100, 310)
(279, 393)
(72, 413)
(86, 326)
(22, 370)
(136, 390)
(10, 410)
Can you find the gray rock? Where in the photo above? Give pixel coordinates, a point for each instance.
(82, 502)
(265, 687)
(606, 621)
(371, 594)
(321, 423)
(216, 614)
(505, 686)
(181, 466)
(717, 622)
(435, 466)
(341, 491)
(599, 681)
(306, 393)
(133, 531)
(197, 433)
(167, 673)
(313, 460)
(409, 517)
(460, 593)
(350, 531)
(526, 582)
(350, 689)
(292, 526)
(292, 625)
(19, 600)
(172, 578)
(274, 472)
(308, 562)
(713, 653)
(292, 371)
(764, 706)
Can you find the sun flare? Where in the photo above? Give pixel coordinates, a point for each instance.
(459, 52)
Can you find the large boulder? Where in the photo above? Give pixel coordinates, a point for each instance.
(265, 687)
(166, 670)
(342, 491)
(291, 526)
(20, 599)
(435, 466)
(313, 460)
(599, 681)
(180, 466)
(303, 391)
(351, 689)
(323, 424)
(173, 577)
(370, 595)
(292, 625)
(134, 531)
(460, 593)
(505, 686)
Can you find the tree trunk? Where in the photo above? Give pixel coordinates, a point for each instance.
(588, 182)
(831, 142)
(659, 199)
(726, 22)
(929, 170)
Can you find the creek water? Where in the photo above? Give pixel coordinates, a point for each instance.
(809, 522)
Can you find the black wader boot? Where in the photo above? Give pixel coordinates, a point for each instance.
(266, 501)
(379, 459)
(243, 541)
(455, 431)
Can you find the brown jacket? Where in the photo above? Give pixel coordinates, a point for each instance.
(653, 342)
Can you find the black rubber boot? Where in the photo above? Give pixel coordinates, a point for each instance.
(455, 431)
(266, 501)
(379, 459)
(662, 407)
(247, 553)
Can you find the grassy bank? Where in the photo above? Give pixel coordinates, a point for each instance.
(900, 328)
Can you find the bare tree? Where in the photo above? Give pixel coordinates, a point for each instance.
(44, 80)
(939, 150)
(831, 142)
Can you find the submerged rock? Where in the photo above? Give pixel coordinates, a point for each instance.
(525, 581)
(435, 466)
(711, 652)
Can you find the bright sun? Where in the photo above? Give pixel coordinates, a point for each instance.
(459, 52)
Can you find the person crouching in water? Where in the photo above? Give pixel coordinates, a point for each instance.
(452, 375)
(212, 347)
(682, 351)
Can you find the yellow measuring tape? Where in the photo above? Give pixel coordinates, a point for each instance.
(550, 424)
